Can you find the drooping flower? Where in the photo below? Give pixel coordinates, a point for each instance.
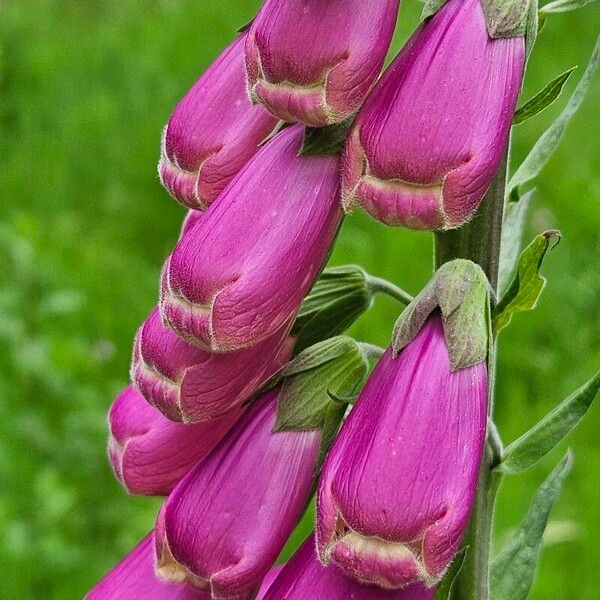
(148, 452)
(305, 578)
(241, 273)
(224, 525)
(430, 137)
(313, 61)
(191, 385)
(397, 488)
(213, 132)
(134, 579)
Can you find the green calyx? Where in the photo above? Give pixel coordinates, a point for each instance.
(461, 292)
(316, 382)
(339, 297)
(507, 18)
(331, 139)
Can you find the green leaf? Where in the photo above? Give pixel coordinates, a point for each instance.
(526, 288)
(551, 430)
(548, 142)
(305, 396)
(512, 237)
(513, 570)
(445, 588)
(339, 297)
(560, 6)
(461, 291)
(543, 99)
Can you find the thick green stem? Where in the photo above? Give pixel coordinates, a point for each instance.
(479, 241)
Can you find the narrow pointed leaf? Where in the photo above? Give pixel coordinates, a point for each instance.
(548, 142)
(542, 99)
(512, 237)
(559, 6)
(526, 288)
(551, 430)
(513, 571)
(445, 590)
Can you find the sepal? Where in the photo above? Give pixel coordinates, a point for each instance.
(506, 18)
(527, 286)
(335, 368)
(461, 291)
(338, 298)
(430, 7)
(513, 570)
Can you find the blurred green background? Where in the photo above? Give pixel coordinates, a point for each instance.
(85, 89)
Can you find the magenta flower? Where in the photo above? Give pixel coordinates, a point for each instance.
(429, 138)
(313, 61)
(305, 578)
(213, 132)
(224, 525)
(398, 486)
(149, 453)
(191, 385)
(241, 273)
(267, 582)
(134, 579)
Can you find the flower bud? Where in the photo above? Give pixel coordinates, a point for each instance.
(133, 579)
(213, 132)
(191, 385)
(304, 577)
(430, 137)
(241, 273)
(398, 486)
(226, 522)
(313, 61)
(149, 453)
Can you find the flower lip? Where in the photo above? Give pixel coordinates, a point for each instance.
(392, 564)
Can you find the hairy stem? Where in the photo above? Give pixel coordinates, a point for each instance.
(479, 241)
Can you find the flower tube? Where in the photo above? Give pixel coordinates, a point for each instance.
(430, 137)
(134, 579)
(304, 577)
(149, 453)
(213, 132)
(314, 61)
(191, 385)
(242, 272)
(397, 488)
(226, 522)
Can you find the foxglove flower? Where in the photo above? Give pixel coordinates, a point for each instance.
(134, 579)
(224, 525)
(398, 486)
(267, 582)
(241, 273)
(191, 385)
(305, 578)
(149, 453)
(213, 132)
(429, 138)
(313, 61)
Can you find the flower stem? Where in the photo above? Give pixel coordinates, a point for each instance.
(382, 286)
(479, 241)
